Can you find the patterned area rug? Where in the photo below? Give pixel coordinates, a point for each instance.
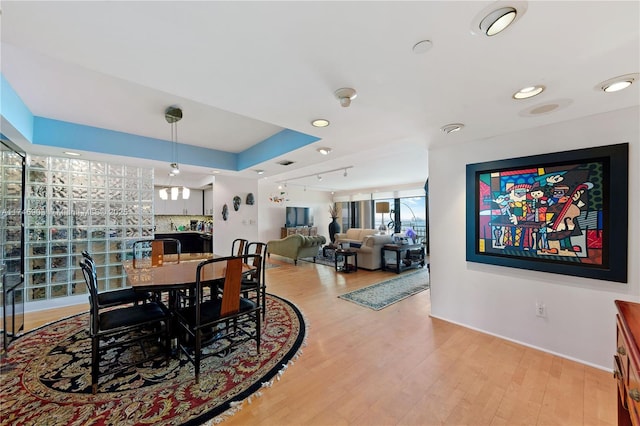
(45, 378)
(328, 260)
(385, 293)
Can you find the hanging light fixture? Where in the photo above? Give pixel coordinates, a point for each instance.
(173, 115)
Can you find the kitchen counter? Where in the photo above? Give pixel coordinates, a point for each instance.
(167, 233)
(190, 241)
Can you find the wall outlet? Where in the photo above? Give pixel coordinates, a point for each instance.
(541, 310)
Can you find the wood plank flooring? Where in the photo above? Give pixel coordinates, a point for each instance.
(398, 366)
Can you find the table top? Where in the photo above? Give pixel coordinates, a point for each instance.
(402, 246)
(176, 275)
(346, 251)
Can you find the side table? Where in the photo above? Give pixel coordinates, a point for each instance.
(406, 256)
(331, 247)
(345, 255)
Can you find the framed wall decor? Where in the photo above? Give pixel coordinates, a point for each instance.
(564, 212)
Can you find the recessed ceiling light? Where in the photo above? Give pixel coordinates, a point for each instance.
(618, 83)
(320, 122)
(528, 92)
(498, 20)
(259, 171)
(422, 46)
(73, 154)
(453, 127)
(324, 151)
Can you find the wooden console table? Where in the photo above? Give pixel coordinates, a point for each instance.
(626, 363)
(407, 256)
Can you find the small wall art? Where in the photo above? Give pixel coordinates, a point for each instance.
(236, 203)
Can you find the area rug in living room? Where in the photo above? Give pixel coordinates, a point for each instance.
(379, 296)
(45, 378)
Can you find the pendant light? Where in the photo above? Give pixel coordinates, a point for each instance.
(173, 115)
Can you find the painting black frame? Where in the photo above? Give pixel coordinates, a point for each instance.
(615, 160)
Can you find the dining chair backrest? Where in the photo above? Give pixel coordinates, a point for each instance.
(258, 248)
(232, 284)
(91, 280)
(238, 246)
(146, 252)
(88, 258)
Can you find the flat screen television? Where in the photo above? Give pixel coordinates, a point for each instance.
(298, 216)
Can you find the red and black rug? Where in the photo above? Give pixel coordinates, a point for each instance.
(45, 377)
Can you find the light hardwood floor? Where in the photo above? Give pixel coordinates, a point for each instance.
(398, 366)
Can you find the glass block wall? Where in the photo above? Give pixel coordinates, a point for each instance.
(10, 209)
(73, 205)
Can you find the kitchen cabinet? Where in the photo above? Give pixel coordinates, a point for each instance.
(208, 202)
(191, 206)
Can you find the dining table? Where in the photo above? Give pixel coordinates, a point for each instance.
(175, 274)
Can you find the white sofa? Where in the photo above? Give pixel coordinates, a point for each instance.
(366, 244)
(354, 235)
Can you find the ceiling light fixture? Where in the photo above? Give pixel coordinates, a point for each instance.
(617, 83)
(259, 171)
(324, 151)
(528, 92)
(345, 95)
(320, 122)
(173, 115)
(453, 127)
(498, 20)
(317, 175)
(71, 153)
(319, 178)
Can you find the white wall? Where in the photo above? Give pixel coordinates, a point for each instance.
(239, 224)
(273, 215)
(580, 321)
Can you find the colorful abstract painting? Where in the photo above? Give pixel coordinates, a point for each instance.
(556, 212)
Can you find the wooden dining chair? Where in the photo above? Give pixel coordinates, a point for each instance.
(123, 296)
(114, 328)
(255, 281)
(155, 252)
(221, 322)
(238, 246)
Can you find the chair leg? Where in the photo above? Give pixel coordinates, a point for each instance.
(258, 332)
(196, 354)
(95, 363)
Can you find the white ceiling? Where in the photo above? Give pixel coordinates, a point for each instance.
(242, 71)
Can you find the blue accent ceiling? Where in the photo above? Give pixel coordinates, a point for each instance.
(49, 132)
(14, 110)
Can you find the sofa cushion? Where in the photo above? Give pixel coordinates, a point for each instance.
(353, 234)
